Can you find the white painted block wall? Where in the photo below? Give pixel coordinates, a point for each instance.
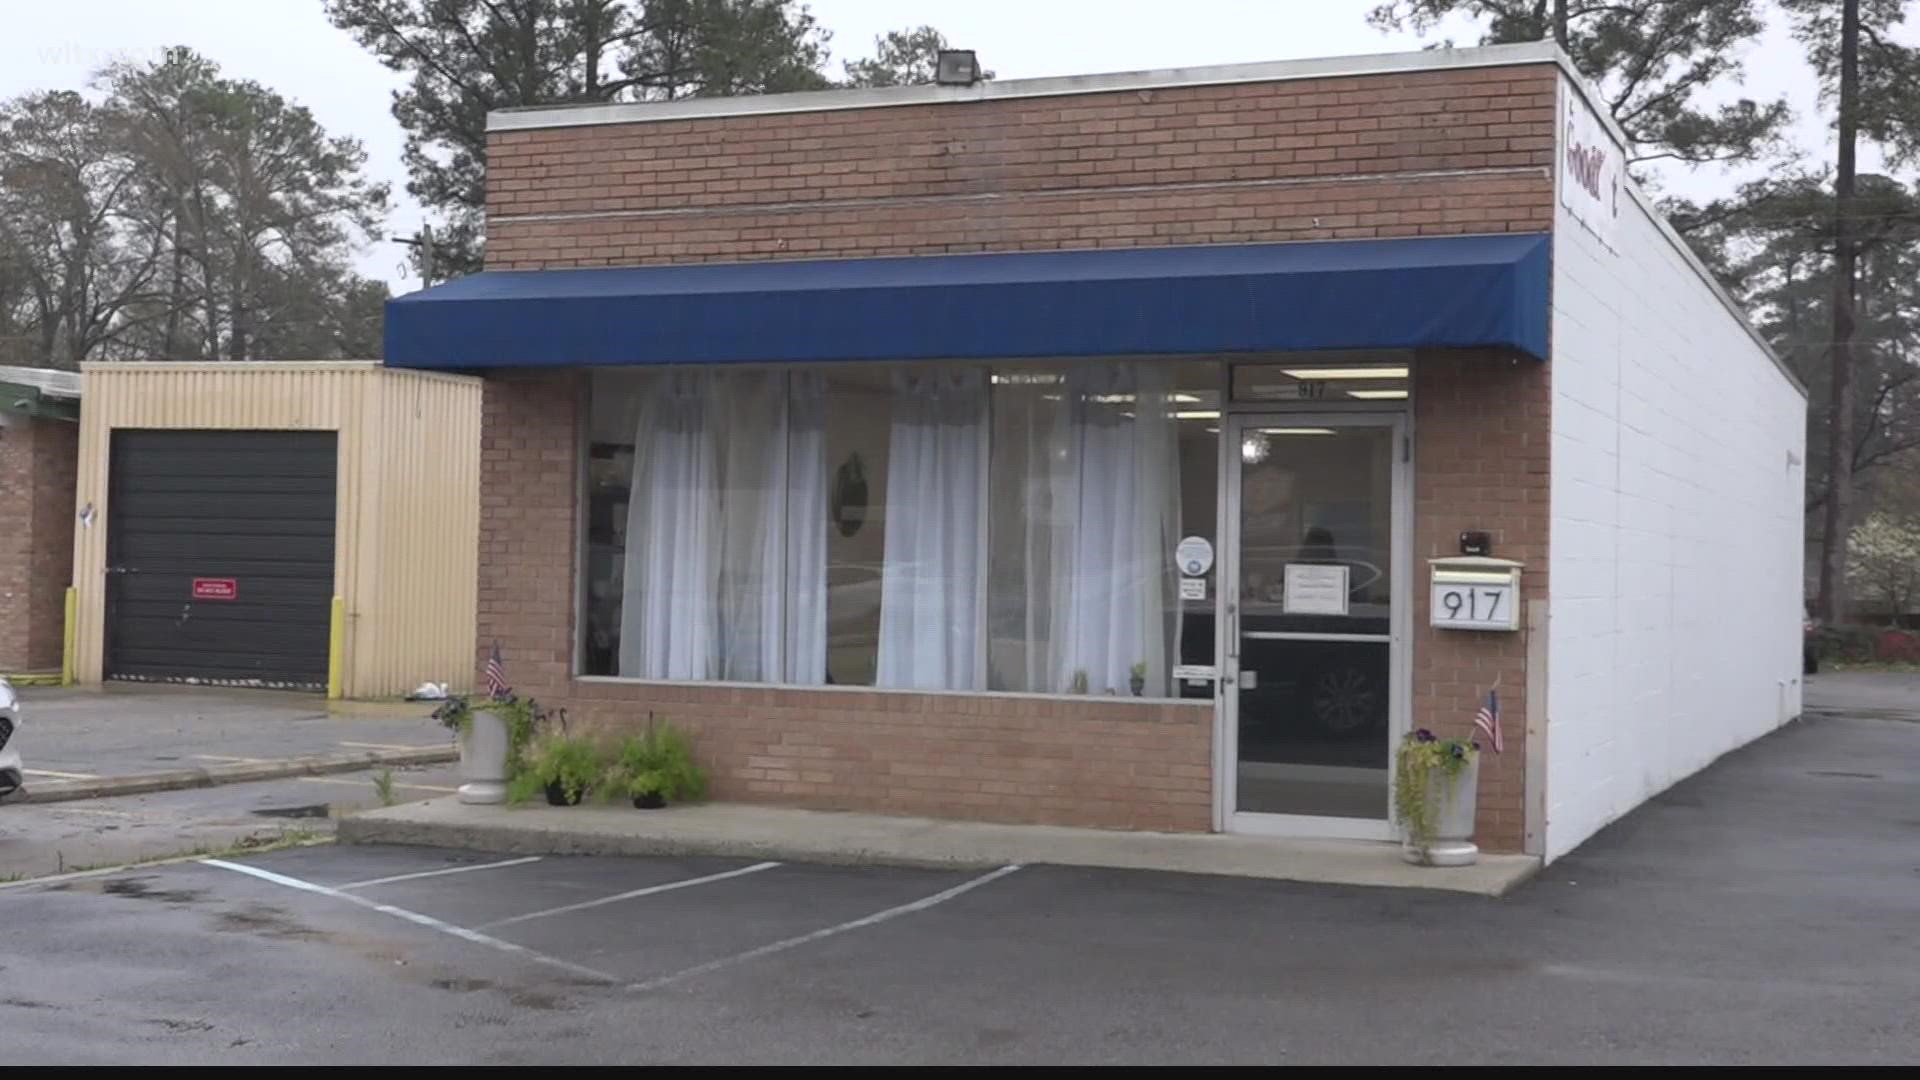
(1674, 571)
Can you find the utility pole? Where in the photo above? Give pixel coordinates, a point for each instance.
(422, 242)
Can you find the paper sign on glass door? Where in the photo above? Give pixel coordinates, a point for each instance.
(1315, 590)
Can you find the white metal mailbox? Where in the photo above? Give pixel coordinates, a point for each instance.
(1475, 592)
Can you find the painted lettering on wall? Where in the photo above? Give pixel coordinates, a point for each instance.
(1591, 169)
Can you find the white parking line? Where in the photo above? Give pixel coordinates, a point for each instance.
(634, 895)
(414, 917)
(437, 873)
(874, 919)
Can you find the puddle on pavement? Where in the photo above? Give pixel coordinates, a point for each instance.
(177, 1025)
(315, 810)
(136, 888)
(267, 921)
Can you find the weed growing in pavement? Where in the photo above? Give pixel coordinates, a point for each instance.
(253, 844)
(383, 787)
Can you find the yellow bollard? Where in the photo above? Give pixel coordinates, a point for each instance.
(66, 637)
(336, 648)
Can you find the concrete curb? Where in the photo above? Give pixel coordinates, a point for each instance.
(362, 709)
(240, 773)
(785, 835)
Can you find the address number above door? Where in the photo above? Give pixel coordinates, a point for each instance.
(1475, 592)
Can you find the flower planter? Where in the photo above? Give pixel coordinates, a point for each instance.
(1450, 806)
(483, 759)
(652, 800)
(557, 795)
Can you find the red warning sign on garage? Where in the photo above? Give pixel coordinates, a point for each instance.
(215, 588)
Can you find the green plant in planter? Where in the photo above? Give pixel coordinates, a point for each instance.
(1137, 677)
(571, 763)
(656, 765)
(523, 717)
(1080, 681)
(1422, 752)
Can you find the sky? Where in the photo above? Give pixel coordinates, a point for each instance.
(289, 46)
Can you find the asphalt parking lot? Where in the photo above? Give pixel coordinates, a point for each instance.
(1763, 912)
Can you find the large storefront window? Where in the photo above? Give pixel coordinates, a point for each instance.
(938, 527)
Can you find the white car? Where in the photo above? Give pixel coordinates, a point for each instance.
(10, 767)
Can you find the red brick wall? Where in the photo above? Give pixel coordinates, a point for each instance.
(1128, 765)
(529, 488)
(16, 543)
(38, 459)
(1382, 155)
(1479, 462)
(1115, 765)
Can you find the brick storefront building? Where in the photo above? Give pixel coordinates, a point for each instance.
(1073, 450)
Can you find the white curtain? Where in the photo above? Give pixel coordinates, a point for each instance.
(806, 533)
(669, 618)
(932, 577)
(725, 569)
(752, 415)
(1026, 420)
(1116, 508)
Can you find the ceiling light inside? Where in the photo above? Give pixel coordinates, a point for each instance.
(1347, 372)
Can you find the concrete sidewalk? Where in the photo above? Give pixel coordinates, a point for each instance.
(125, 739)
(762, 832)
(1878, 695)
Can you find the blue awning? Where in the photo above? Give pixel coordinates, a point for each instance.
(1348, 294)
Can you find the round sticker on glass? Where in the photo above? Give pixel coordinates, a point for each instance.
(1194, 556)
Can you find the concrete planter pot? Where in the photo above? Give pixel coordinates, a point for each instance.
(1450, 806)
(483, 760)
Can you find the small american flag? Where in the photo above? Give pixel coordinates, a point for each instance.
(1488, 721)
(497, 675)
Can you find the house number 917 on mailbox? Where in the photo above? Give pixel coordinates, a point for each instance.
(1475, 593)
(1475, 603)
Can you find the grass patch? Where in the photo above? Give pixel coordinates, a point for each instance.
(246, 845)
(255, 844)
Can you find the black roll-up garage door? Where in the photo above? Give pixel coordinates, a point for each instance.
(220, 556)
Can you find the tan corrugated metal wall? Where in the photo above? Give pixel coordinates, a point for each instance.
(407, 531)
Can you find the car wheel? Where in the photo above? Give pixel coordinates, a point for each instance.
(1345, 700)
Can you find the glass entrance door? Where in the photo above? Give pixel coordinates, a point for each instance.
(1312, 676)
